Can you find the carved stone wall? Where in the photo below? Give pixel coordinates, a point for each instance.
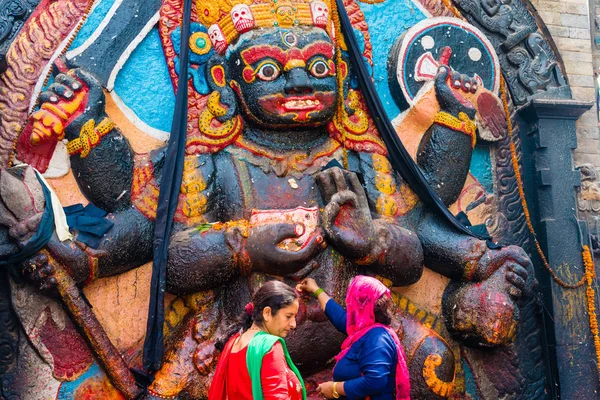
(569, 23)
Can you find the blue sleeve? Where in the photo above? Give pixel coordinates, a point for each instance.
(377, 359)
(337, 315)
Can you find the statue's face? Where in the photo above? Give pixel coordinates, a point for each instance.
(284, 77)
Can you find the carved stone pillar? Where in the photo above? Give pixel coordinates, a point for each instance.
(550, 185)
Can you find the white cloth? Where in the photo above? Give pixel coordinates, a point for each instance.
(60, 219)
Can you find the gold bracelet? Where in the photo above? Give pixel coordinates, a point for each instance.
(336, 395)
(89, 137)
(462, 124)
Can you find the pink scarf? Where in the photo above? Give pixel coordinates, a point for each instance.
(362, 295)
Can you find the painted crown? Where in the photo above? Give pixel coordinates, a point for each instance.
(227, 19)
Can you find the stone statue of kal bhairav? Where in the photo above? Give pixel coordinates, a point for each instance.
(256, 201)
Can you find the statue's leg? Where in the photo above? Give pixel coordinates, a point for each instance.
(190, 358)
(430, 359)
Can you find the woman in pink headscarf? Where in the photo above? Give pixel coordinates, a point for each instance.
(372, 363)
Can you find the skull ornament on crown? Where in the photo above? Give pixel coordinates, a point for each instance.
(242, 18)
(320, 13)
(226, 21)
(217, 38)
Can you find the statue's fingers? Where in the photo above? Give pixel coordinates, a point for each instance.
(48, 97)
(287, 231)
(69, 81)
(357, 188)
(519, 271)
(61, 90)
(466, 83)
(521, 260)
(326, 186)
(516, 280)
(455, 80)
(82, 75)
(44, 271)
(474, 85)
(306, 252)
(442, 75)
(330, 213)
(339, 178)
(515, 293)
(345, 197)
(48, 284)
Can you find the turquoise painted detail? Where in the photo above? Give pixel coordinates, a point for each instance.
(68, 390)
(91, 23)
(387, 21)
(144, 84)
(481, 167)
(470, 384)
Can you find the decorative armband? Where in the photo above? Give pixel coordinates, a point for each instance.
(89, 137)
(462, 124)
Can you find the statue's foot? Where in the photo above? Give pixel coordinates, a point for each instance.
(483, 314)
(187, 365)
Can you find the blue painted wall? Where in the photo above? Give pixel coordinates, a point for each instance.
(145, 87)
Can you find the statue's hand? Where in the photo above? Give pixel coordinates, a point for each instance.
(449, 89)
(481, 314)
(485, 312)
(40, 271)
(512, 261)
(346, 219)
(74, 98)
(266, 254)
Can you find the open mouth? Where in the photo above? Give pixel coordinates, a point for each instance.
(300, 104)
(302, 108)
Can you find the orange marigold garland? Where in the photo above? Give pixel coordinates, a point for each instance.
(590, 275)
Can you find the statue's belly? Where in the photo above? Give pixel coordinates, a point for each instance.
(315, 340)
(267, 191)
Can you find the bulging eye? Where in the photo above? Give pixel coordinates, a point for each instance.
(319, 69)
(268, 72)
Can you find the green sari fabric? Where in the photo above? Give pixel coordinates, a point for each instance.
(260, 345)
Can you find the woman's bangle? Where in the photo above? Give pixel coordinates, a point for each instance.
(336, 395)
(318, 292)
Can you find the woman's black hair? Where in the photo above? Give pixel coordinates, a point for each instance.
(383, 310)
(274, 294)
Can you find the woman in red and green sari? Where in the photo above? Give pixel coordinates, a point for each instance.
(255, 363)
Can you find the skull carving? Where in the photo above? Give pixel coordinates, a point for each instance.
(217, 38)
(242, 18)
(320, 13)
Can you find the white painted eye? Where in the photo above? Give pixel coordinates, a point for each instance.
(268, 72)
(427, 42)
(319, 69)
(474, 54)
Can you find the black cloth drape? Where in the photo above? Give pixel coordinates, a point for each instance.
(167, 203)
(399, 158)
